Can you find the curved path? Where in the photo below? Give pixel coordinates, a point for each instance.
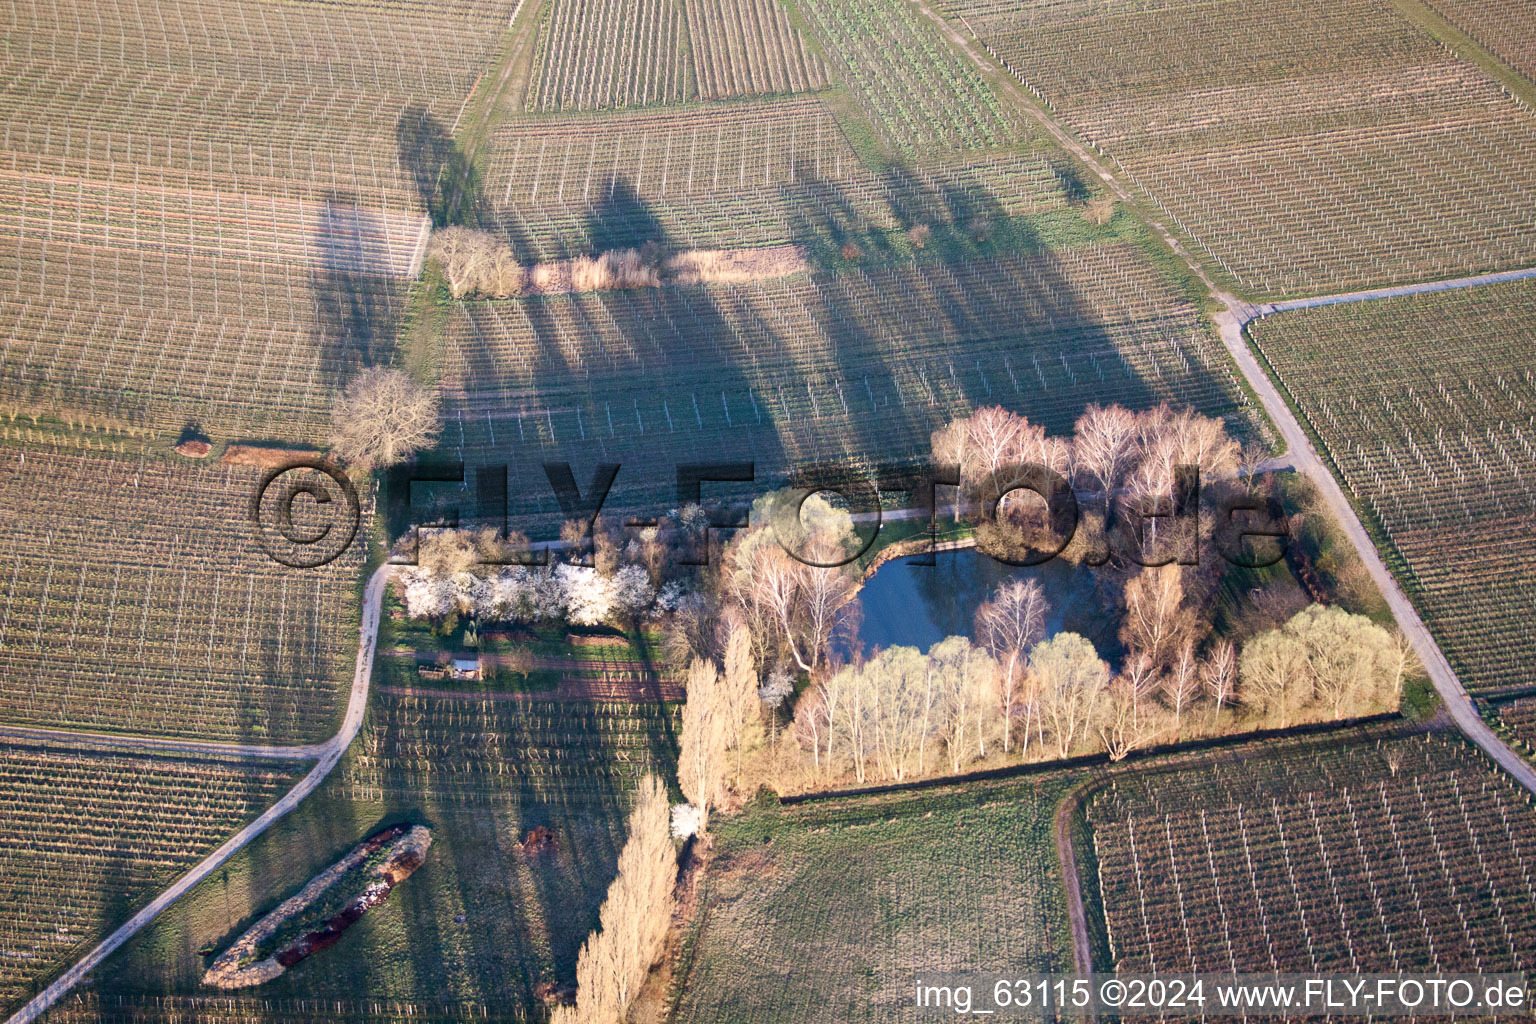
(329, 753)
(1300, 454)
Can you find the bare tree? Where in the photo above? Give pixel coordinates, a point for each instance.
(1008, 625)
(504, 277)
(381, 417)
(633, 922)
(466, 256)
(994, 437)
(1072, 680)
(739, 697)
(1156, 621)
(1355, 665)
(962, 680)
(813, 723)
(1275, 674)
(1103, 443)
(705, 735)
(806, 596)
(1143, 675)
(1182, 683)
(1219, 673)
(1252, 456)
(1121, 727)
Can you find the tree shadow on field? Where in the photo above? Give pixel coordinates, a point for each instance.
(950, 308)
(648, 378)
(358, 302)
(877, 344)
(445, 179)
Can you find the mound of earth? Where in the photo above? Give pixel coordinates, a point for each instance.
(264, 456)
(538, 840)
(331, 903)
(193, 449)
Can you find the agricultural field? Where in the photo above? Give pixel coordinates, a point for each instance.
(859, 366)
(732, 174)
(1304, 146)
(750, 48)
(218, 193)
(473, 748)
(541, 660)
(138, 599)
(1382, 856)
(919, 95)
(86, 838)
(146, 305)
(1506, 28)
(247, 357)
(478, 927)
(1426, 408)
(597, 54)
(824, 911)
(292, 100)
(1519, 719)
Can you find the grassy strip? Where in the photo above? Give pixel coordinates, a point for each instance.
(1468, 49)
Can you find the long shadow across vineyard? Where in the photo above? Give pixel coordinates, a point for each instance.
(950, 297)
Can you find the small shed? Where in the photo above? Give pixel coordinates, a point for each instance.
(465, 667)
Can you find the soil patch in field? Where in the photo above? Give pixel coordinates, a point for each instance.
(265, 456)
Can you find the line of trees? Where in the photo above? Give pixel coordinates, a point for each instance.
(633, 921)
(479, 574)
(903, 713)
(481, 264)
(1122, 466)
(721, 721)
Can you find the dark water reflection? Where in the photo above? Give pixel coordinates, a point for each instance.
(918, 605)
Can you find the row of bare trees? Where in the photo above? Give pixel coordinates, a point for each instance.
(633, 921)
(1112, 450)
(481, 264)
(903, 714)
(719, 721)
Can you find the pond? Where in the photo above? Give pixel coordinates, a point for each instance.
(919, 605)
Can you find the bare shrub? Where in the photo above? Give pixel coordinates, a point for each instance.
(1100, 211)
(381, 417)
(734, 266)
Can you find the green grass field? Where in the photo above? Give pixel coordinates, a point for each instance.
(829, 911)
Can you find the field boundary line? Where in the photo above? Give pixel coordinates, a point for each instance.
(133, 744)
(1255, 312)
(419, 254)
(337, 745)
(1071, 880)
